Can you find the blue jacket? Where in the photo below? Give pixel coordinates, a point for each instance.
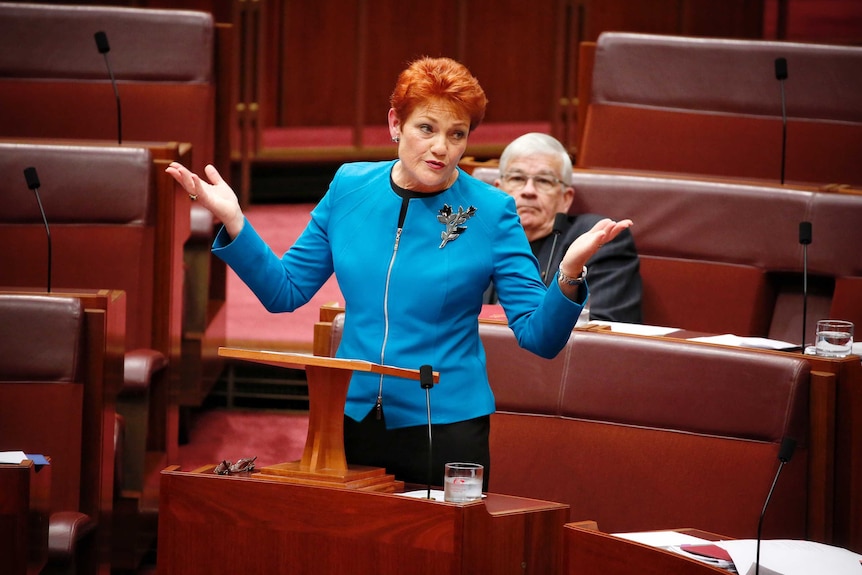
(414, 299)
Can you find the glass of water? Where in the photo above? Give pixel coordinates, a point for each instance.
(833, 338)
(462, 482)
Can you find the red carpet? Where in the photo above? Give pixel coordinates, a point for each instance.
(217, 434)
(248, 323)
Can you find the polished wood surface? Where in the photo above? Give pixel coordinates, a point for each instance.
(210, 524)
(286, 359)
(25, 492)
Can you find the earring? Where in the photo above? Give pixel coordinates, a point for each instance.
(396, 139)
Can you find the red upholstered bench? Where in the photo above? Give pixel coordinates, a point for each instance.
(645, 433)
(712, 106)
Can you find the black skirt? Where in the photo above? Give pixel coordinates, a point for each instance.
(403, 452)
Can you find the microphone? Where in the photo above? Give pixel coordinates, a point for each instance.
(781, 76)
(559, 223)
(426, 381)
(785, 452)
(104, 48)
(804, 239)
(32, 179)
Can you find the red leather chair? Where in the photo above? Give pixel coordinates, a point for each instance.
(57, 399)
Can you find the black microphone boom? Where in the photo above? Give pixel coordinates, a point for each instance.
(804, 239)
(32, 179)
(103, 47)
(559, 224)
(781, 76)
(785, 452)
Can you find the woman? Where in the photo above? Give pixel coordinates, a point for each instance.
(413, 242)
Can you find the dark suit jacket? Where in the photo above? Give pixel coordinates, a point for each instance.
(613, 272)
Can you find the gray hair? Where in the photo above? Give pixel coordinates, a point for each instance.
(534, 143)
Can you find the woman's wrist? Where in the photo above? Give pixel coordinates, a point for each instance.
(572, 280)
(234, 225)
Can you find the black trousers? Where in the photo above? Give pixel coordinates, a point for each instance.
(404, 452)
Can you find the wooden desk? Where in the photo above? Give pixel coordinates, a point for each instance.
(210, 524)
(25, 493)
(588, 551)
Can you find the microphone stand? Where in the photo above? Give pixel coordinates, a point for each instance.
(426, 381)
(103, 47)
(804, 292)
(781, 76)
(33, 183)
(783, 133)
(804, 239)
(785, 452)
(559, 222)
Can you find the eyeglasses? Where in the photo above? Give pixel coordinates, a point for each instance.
(543, 183)
(241, 466)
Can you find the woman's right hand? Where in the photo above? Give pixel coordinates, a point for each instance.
(215, 195)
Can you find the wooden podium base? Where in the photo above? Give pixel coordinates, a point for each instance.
(355, 477)
(323, 461)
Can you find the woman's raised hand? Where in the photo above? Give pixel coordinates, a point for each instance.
(215, 195)
(583, 248)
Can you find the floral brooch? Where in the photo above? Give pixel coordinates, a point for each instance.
(453, 222)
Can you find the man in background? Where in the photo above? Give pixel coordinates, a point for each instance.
(536, 170)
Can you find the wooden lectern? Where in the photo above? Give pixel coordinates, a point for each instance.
(256, 523)
(323, 461)
(320, 515)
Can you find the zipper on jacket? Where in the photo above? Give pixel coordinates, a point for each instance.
(378, 406)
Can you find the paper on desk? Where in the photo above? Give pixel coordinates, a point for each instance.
(661, 538)
(436, 494)
(792, 557)
(15, 457)
(737, 341)
(635, 328)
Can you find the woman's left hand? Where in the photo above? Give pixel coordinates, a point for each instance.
(583, 248)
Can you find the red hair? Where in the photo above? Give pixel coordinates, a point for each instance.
(428, 79)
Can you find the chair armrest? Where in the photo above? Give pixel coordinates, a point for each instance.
(65, 530)
(139, 367)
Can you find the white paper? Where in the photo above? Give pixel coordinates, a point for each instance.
(15, 457)
(635, 328)
(436, 494)
(792, 557)
(661, 538)
(737, 341)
